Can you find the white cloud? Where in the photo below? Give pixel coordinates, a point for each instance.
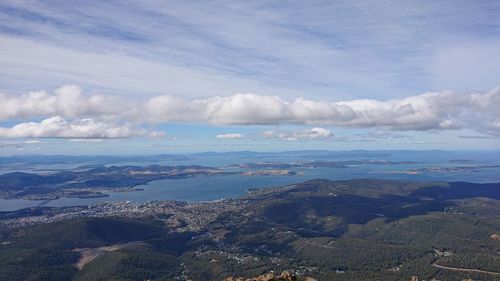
(32, 142)
(318, 133)
(428, 111)
(230, 136)
(66, 101)
(158, 135)
(247, 109)
(312, 134)
(86, 140)
(91, 113)
(58, 127)
(238, 109)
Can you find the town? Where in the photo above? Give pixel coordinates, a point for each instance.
(181, 216)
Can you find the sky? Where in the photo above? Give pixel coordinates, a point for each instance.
(149, 77)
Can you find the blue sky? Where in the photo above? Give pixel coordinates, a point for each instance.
(157, 76)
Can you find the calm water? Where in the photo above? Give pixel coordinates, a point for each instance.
(206, 188)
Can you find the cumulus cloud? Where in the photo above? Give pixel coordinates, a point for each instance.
(312, 134)
(67, 101)
(238, 109)
(229, 136)
(429, 111)
(58, 127)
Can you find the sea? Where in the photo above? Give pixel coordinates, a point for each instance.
(208, 188)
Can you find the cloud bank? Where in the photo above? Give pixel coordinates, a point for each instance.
(88, 116)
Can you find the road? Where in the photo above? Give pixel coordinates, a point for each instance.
(466, 269)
